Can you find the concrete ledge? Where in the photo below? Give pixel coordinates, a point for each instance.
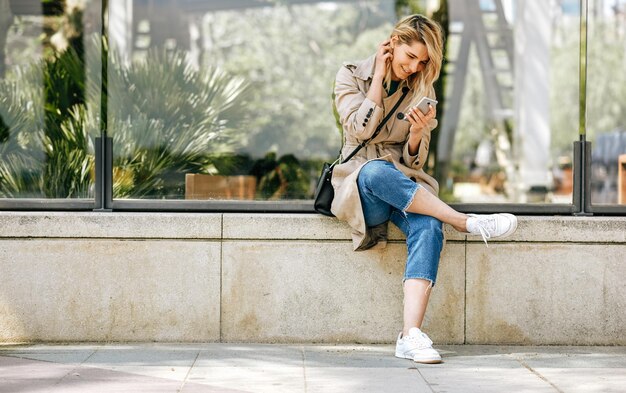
(299, 227)
(558, 229)
(110, 225)
(70, 276)
(567, 229)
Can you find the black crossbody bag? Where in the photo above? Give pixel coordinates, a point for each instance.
(324, 192)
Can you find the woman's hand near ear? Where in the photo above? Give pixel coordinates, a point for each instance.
(384, 56)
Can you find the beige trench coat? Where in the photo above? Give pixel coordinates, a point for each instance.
(360, 116)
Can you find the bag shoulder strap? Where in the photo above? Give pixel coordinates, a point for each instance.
(405, 91)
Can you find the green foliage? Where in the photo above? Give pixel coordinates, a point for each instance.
(45, 153)
(173, 119)
(281, 178)
(20, 150)
(606, 84)
(66, 140)
(231, 164)
(167, 119)
(69, 156)
(291, 56)
(45, 146)
(408, 7)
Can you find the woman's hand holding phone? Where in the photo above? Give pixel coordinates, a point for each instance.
(418, 122)
(418, 119)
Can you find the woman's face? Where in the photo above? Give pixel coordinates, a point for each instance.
(407, 59)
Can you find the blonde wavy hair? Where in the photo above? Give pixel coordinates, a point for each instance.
(418, 28)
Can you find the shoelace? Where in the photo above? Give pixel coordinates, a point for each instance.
(482, 224)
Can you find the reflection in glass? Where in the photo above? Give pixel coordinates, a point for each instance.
(229, 100)
(49, 98)
(511, 102)
(232, 100)
(606, 100)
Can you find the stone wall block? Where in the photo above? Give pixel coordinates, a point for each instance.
(298, 291)
(105, 290)
(553, 294)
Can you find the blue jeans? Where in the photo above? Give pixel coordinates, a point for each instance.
(385, 195)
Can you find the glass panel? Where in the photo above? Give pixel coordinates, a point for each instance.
(606, 100)
(49, 98)
(229, 99)
(511, 104)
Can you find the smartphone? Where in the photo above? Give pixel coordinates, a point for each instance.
(423, 104)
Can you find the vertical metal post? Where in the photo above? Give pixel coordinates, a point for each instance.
(104, 174)
(582, 148)
(587, 209)
(582, 178)
(104, 144)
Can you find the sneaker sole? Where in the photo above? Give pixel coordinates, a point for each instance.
(423, 360)
(427, 361)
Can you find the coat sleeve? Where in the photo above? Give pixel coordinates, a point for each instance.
(358, 114)
(417, 161)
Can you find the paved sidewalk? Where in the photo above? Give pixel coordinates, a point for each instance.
(240, 368)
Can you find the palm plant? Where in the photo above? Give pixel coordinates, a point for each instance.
(46, 153)
(167, 119)
(21, 150)
(66, 142)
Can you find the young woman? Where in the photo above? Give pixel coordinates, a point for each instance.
(385, 180)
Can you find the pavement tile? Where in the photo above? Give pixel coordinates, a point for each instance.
(249, 355)
(272, 379)
(14, 368)
(366, 380)
(585, 370)
(71, 354)
(96, 380)
(361, 356)
(586, 380)
(19, 375)
(363, 368)
(484, 380)
(594, 357)
(254, 368)
(24, 375)
(251, 368)
(157, 360)
(480, 369)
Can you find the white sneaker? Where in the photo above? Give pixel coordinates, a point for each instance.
(491, 225)
(416, 346)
